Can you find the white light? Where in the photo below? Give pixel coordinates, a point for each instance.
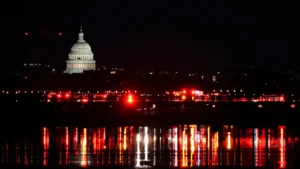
(146, 140)
(198, 93)
(138, 138)
(138, 152)
(153, 106)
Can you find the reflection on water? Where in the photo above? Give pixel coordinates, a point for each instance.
(142, 146)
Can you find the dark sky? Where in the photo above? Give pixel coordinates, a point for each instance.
(185, 35)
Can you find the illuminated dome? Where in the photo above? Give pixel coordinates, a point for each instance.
(81, 47)
(81, 57)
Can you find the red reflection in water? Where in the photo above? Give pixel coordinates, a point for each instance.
(119, 139)
(103, 144)
(215, 147)
(195, 146)
(246, 147)
(202, 146)
(268, 142)
(67, 145)
(259, 147)
(255, 146)
(94, 143)
(184, 147)
(228, 145)
(75, 141)
(26, 154)
(131, 148)
(98, 142)
(45, 145)
(188, 145)
(175, 145)
(84, 149)
(282, 161)
(192, 143)
(125, 138)
(208, 142)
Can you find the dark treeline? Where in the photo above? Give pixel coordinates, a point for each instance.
(251, 81)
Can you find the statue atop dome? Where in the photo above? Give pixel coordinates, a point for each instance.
(81, 57)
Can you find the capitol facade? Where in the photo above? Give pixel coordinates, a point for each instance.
(81, 57)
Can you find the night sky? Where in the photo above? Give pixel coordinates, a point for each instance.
(185, 35)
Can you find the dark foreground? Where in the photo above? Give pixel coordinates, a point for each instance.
(105, 114)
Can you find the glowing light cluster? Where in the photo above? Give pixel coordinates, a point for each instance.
(129, 99)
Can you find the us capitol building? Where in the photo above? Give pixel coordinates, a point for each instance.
(81, 57)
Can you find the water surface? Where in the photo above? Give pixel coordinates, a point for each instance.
(144, 146)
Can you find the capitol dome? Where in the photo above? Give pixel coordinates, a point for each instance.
(81, 47)
(81, 57)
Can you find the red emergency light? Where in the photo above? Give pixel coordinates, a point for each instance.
(129, 99)
(67, 95)
(84, 100)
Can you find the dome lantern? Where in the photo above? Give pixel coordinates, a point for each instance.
(80, 36)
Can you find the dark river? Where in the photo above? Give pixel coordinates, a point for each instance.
(177, 146)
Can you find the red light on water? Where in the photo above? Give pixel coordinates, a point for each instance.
(84, 100)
